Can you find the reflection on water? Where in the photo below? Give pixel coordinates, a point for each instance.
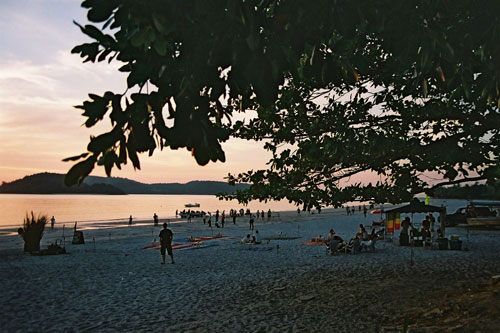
(106, 211)
(93, 209)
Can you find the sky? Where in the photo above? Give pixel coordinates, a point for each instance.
(41, 82)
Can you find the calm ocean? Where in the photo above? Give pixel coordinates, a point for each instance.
(113, 208)
(102, 210)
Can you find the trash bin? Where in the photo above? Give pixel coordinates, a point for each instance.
(78, 238)
(443, 243)
(455, 244)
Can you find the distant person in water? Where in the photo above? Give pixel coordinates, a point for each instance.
(166, 237)
(155, 219)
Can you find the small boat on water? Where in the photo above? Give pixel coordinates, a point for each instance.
(189, 205)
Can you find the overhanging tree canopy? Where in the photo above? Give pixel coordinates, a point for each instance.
(415, 206)
(340, 87)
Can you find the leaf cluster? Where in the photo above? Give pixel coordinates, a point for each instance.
(340, 88)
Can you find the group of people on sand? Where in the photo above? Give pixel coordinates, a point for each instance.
(428, 229)
(220, 218)
(361, 240)
(252, 239)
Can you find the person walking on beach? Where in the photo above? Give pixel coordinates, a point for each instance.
(52, 222)
(166, 237)
(252, 217)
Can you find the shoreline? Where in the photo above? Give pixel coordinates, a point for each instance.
(278, 286)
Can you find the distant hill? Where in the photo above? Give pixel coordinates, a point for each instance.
(52, 183)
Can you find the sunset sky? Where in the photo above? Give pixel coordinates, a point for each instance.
(41, 81)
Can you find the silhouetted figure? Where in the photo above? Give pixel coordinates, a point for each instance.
(166, 237)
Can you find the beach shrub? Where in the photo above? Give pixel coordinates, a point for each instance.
(32, 231)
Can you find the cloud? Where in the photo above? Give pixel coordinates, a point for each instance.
(41, 81)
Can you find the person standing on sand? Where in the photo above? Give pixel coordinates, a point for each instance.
(52, 222)
(155, 219)
(166, 237)
(403, 235)
(130, 220)
(252, 217)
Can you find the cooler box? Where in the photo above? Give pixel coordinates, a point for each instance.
(455, 244)
(443, 243)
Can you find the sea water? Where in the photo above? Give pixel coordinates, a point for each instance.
(87, 208)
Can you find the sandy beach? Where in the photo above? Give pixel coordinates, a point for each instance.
(114, 284)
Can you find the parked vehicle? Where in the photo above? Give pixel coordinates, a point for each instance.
(483, 214)
(474, 214)
(458, 217)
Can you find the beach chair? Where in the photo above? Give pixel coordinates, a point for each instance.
(332, 247)
(354, 246)
(370, 245)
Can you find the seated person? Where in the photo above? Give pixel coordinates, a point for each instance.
(337, 241)
(362, 234)
(354, 245)
(191, 239)
(369, 244)
(256, 238)
(246, 240)
(330, 236)
(219, 235)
